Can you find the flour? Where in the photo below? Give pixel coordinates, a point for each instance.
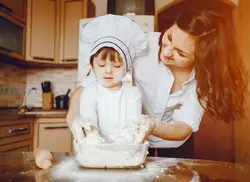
(124, 151)
(155, 168)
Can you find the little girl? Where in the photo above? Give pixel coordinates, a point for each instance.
(109, 43)
(108, 105)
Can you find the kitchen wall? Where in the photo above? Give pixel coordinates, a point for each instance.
(62, 79)
(15, 82)
(12, 85)
(242, 128)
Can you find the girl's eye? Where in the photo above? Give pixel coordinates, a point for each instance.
(118, 66)
(164, 45)
(169, 37)
(101, 65)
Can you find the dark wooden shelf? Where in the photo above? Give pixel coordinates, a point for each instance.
(17, 60)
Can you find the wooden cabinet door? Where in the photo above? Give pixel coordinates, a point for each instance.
(71, 12)
(214, 140)
(56, 137)
(15, 8)
(41, 30)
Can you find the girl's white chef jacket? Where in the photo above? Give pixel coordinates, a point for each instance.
(110, 111)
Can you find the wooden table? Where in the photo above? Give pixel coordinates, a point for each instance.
(20, 167)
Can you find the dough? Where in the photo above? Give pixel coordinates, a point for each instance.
(43, 158)
(125, 149)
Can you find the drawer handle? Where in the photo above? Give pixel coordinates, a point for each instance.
(69, 60)
(18, 130)
(56, 127)
(5, 7)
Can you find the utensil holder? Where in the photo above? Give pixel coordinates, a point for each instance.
(47, 100)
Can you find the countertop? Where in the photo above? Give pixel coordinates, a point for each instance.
(13, 114)
(20, 167)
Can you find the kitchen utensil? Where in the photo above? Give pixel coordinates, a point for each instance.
(62, 101)
(47, 100)
(46, 86)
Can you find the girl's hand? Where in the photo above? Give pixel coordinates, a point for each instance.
(43, 158)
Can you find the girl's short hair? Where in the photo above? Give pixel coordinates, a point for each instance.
(105, 52)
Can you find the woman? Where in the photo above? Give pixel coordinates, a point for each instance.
(196, 69)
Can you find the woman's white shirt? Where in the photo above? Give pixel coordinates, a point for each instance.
(109, 110)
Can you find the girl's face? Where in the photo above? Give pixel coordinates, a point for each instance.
(108, 73)
(177, 48)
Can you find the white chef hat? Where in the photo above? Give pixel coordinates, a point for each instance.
(118, 32)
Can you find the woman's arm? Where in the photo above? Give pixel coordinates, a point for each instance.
(185, 120)
(176, 131)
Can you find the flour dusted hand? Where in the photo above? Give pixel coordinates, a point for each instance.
(93, 137)
(136, 132)
(43, 158)
(77, 126)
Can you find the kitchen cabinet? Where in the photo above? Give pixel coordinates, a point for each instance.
(41, 30)
(12, 36)
(71, 12)
(53, 134)
(214, 140)
(16, 135)
(53, 30)
(14, 8)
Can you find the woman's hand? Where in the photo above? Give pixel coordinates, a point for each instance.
(43, 158)
(175, 131)
(137, 131)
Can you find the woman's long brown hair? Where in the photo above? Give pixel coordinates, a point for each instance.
(220, 73)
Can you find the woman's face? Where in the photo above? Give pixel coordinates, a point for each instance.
(177, 48)
(108, 73)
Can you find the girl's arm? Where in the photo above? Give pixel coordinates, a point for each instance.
(74, 106)
(87, 117)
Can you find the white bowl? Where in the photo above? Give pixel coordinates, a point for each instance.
(111, 155)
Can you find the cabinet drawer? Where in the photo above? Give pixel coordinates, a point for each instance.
(23, 146)
(15, 131)
(55, 137)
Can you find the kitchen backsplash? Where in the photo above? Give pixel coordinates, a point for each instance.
(12, 85)
(61, 80)
(15, 82)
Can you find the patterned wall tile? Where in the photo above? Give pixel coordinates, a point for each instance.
(15, 82)
(12, 85)
(61, 80)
